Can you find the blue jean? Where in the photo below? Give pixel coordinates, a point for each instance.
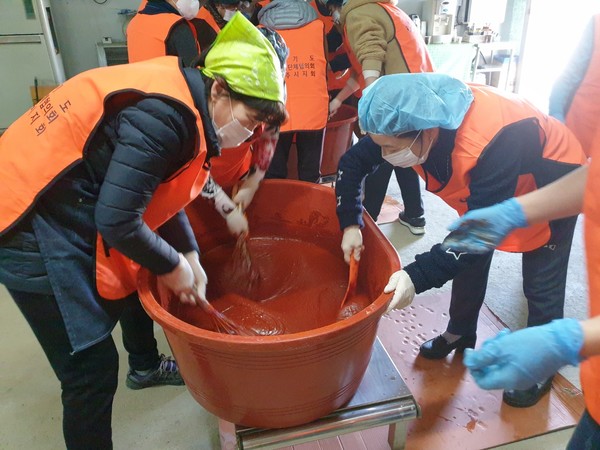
(586, 435)
(544, 280)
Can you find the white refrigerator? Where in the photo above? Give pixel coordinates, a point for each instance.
(29, 55)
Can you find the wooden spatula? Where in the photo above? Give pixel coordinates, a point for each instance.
(352, 278)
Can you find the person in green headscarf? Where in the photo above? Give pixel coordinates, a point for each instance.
(99, 172)
(258, 87)
(474, 146)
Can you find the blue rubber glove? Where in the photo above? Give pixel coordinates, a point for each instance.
(519, 360)
(482, 230)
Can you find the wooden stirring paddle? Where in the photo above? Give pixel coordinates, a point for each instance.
(352, 278)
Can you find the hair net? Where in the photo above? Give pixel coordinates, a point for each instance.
(396, 104)
(246, 60)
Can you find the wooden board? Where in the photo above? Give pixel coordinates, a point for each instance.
(457, 414)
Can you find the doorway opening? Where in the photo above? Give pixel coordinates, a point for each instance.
(550, 37)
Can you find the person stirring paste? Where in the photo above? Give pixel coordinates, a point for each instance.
(505, 361)
(94, 181)
(474, 146)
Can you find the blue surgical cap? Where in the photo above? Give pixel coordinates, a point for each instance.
(396, 104)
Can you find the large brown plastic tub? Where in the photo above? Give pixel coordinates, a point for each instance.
(290, 379)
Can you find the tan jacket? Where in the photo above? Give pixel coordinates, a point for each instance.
(371, 35)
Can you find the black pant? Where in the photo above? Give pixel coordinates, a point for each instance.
(376, 185)
(138, 335)
(309, 147)
(586, 435)
(88, 378)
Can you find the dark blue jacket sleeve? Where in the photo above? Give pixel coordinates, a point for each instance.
(358, 162)
(152, 141)
(182, 42)
(492, 180)
(178, 232)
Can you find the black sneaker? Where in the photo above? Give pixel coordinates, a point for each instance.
(416, 225)
(167, 373)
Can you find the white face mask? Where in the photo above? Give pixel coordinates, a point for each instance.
(228, 15)
(188, 8)
(405, 157)
(336, 17)
(233, 133)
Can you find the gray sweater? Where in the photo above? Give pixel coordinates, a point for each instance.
(286, 14)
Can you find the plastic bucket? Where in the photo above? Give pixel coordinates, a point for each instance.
(290, 379)
(338, 138)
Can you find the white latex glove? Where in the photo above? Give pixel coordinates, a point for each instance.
(200, 278)
(402, 287)
(245, 193)
(334, 105)
(352, 240)
(180, 281)
(237, 222)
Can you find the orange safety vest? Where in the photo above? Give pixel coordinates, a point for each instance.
(55, 135)
(583, 113)
(204, 14)
(590, 368)
(327, 20)
(233, 163)
(147, 35)
(411, 43)
(206, 28)
(489, 114)
(306, 78)
(337, 80)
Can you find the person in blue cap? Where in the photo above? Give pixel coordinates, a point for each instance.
(93, 185)
(474, 146)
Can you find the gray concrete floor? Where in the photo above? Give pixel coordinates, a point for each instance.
(168, 417)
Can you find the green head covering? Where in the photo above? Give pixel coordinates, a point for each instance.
(246, 60)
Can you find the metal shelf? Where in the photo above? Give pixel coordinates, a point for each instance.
(487, 50)
(112, 54)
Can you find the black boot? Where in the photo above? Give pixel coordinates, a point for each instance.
(527, 397)
(439, 347)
